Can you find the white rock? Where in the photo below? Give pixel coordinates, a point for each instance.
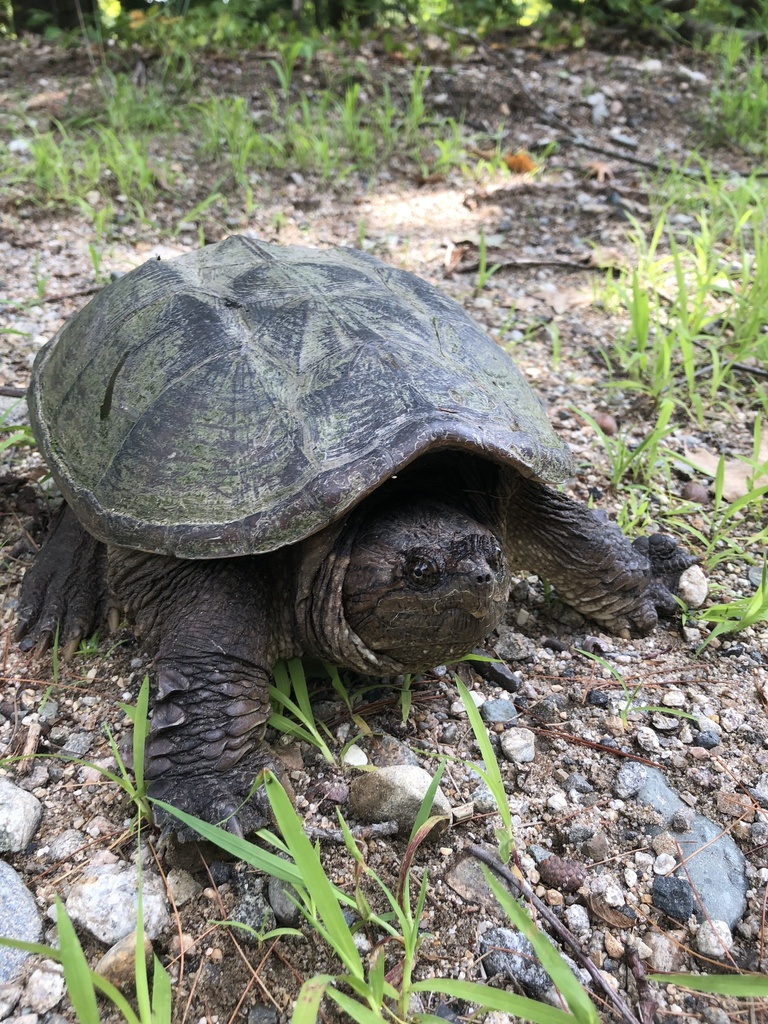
(714, 938)
(19, 146)
(577, 919)
(394, 793)
(355, 756)
(647, 738)
(20, 814)
(518, 745)
(693, 587)
(664, 863)
(558, 801)
(105, 902)
(45, 987)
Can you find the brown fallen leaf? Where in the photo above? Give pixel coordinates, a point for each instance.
(735, 472)
(599, 170)
(435, 178)
(566, 298)
(519, 162)
(617, 917)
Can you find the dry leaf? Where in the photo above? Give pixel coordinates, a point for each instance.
(519, 162)
(735, 472)
(617, 917)
(454, 254)
(430, 179)
(605, 258)
(484, 154)
(600, 170)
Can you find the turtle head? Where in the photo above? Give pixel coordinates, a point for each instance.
(424, 583)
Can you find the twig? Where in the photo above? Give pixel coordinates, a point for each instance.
(522, 888)
(646, 1004)
(7, 391)
(335, 835)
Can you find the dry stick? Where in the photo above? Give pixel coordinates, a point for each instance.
(646, 1004)
(522, 888)
(6, 391)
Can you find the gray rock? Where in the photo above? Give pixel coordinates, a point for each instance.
(9, 998)
(577, 919)
(509, 953)
(19, 919)
(715, 866)
(182, 885)
(262, 1015)
(512, 646)
(673, 896)
(394, 793)
(285, 909)
(45, 987)
(20, 814)
(499, 710)
(251, 908)
(63, 846)
(518, 745)
(105, 902)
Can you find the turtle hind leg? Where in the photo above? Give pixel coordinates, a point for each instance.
(209, 626)
(591, 564)
(64, 589)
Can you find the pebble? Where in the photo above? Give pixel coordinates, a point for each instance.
(105, 902)
(9, 998)
(118, 964)
(45, 987)
(693, 587)
(518, 745)
(279, 894)
(665, 955)
(20, 814)
(577, 919)
(252, 908)
(647, 739)
(20, 920)
(63, 846)
(664, 863)
(695, 492)
(714, 938)
(509, 953)
(394, 793)
(354, 757)
(498, 710)
(674, 897)
(182, 885)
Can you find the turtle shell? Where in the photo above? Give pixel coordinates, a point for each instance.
(242, 397)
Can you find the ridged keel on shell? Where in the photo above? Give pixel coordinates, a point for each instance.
(242, 397)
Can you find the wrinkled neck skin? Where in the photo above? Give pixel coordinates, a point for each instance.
(328, 566)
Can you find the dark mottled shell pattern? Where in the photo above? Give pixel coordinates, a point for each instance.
(242, 397)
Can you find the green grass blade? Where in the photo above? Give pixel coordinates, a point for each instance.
(495, 999)
(572, 991)
(743, 986)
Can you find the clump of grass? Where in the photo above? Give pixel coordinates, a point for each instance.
(738, 111)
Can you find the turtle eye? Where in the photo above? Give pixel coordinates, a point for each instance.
(421, 570)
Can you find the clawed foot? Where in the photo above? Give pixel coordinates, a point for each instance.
(235, 800)
(64, 589)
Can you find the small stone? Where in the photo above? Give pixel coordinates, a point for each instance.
(597, 847)
(45, 987)
(673, 699)
(354, 756)
(708, 739)
(284, 907)
(606, 423)
(118, 965)
(674, 897)
(693, 587)
(613, 947)
(498, 710)
(63, 846)
(714, 938)
(736, 805)
(577, 919)
(20, 815)
(9, 997)
(558, 802)
(105, 902)
(647, 739)
(394, 793)
(518, 745)
(182, 885)
(665, 955)
(664, 863)
(695, 492)
(20, 920)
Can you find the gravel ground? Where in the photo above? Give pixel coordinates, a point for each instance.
(620, 768)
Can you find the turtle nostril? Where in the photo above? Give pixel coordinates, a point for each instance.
(485, 578)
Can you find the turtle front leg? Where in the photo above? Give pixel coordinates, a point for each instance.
(208, 623)
(65, 588)
(591, 564)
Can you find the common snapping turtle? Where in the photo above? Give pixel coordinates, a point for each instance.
(271, 450)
